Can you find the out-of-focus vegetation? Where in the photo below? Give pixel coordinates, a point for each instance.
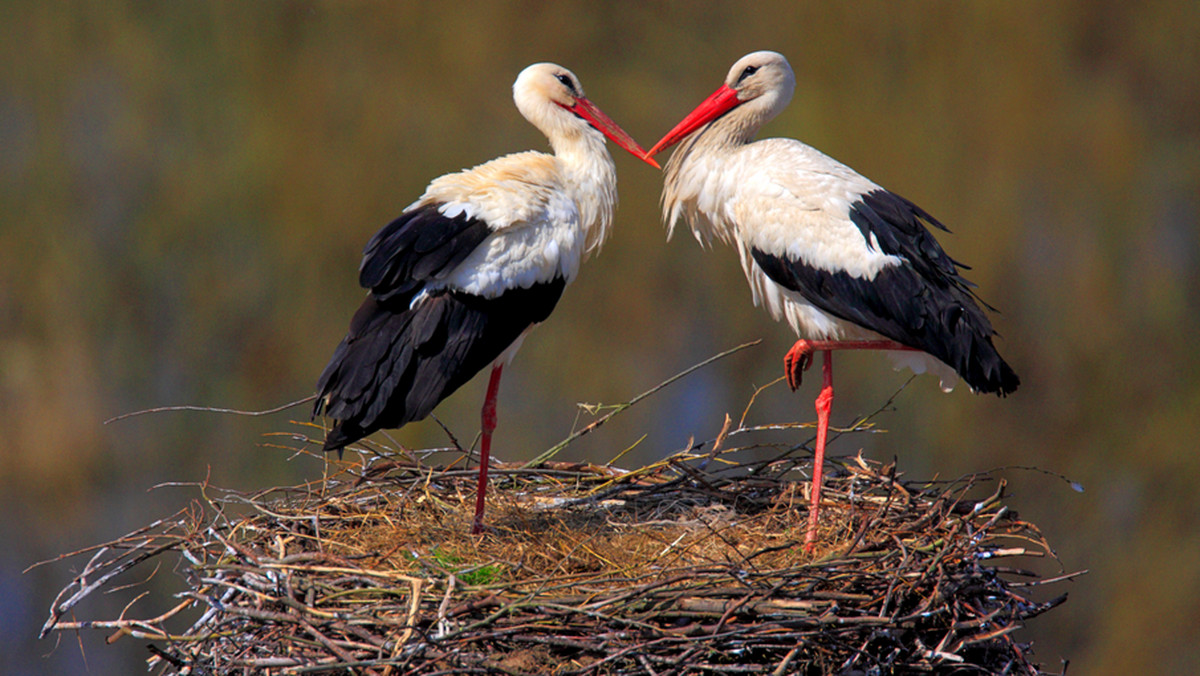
(186, 187)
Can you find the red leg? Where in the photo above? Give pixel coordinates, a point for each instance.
(485, 444)
(824, 404)
(795, 363)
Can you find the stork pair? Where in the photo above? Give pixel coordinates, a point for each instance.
(458, 280)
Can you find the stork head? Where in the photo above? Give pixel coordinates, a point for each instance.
(552, 99)
(759, 85)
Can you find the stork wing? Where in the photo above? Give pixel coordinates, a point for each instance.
(915, 297)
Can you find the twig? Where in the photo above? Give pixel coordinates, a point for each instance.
(211, 409)
(554, 450)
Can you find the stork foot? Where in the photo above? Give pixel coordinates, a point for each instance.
(797, 361)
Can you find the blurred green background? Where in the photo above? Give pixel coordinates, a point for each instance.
(185, 189)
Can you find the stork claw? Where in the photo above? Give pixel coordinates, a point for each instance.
(797, 361)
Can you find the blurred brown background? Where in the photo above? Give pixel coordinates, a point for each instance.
(185, 189)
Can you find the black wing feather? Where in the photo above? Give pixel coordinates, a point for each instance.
(420, 245)
(923, 303)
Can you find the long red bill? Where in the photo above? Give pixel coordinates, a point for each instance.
(596, 117)
(716, 105)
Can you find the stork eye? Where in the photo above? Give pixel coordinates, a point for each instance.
(566, 81)
(750, 70)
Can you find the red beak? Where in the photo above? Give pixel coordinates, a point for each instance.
(596, 117)
(720, 102)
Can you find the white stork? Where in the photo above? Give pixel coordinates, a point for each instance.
(847, 263)
(459, 279)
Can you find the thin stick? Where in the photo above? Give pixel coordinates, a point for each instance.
(557, 448)
(212, 409)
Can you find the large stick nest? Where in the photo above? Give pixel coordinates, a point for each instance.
(692, 565)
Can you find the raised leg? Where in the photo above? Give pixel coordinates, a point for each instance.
(485, 444)
(800, 357)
